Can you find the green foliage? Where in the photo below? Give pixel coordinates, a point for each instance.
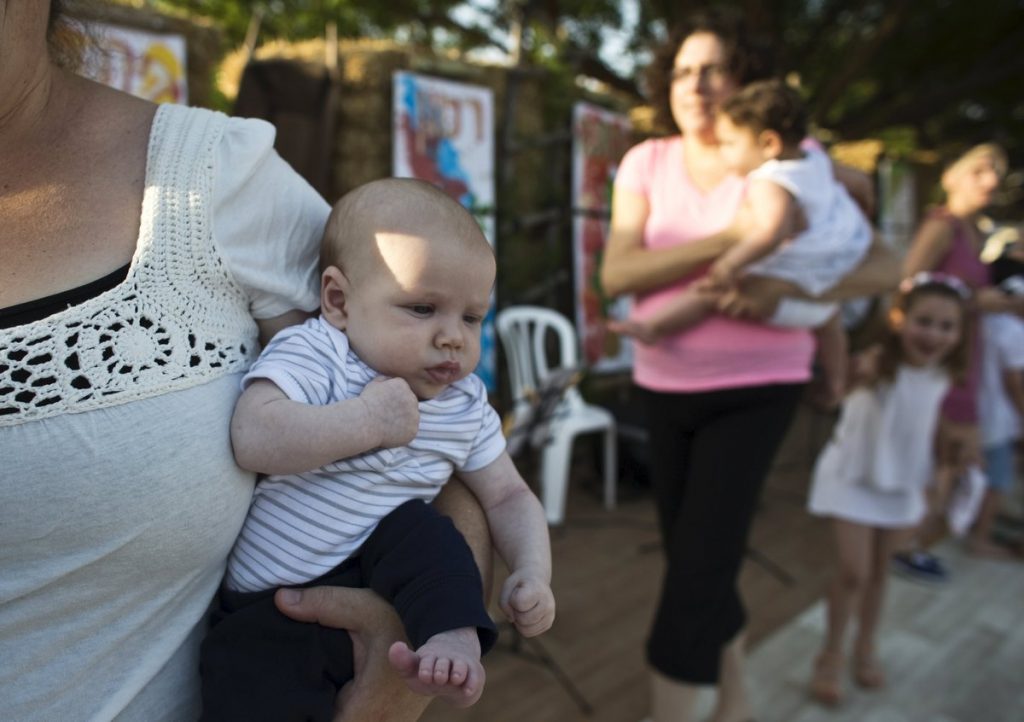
(301, 19)
(949, 69)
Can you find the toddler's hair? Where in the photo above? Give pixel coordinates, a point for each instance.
(910, 291)
(769, 105)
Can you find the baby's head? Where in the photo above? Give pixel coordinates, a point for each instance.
(763, 120)
(407, 275)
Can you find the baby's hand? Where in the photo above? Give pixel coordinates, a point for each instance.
(528, 602)
(393, 410)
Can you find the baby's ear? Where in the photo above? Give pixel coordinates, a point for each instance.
(771, 143)
(333, 290)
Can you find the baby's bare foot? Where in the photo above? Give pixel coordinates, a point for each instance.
(446, 665)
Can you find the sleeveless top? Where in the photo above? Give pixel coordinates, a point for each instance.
(963, 261)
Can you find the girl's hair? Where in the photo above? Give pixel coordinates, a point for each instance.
(748, 57)
(910, 291)
(769, 105)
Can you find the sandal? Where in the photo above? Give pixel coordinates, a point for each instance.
(868, 673)
(826, 681)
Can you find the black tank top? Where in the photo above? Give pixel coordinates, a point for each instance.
(30, 311)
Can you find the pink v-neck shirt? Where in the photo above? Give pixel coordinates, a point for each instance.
(719, 352)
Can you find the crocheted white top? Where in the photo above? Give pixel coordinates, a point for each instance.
(119, 496)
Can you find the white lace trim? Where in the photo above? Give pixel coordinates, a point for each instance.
(178, 320)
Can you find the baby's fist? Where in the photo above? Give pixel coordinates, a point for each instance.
(393, 409)
(528, 602)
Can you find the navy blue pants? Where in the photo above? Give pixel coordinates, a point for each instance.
(710, 454)
(257, 664)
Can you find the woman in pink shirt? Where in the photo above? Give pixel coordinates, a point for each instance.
(719, 396)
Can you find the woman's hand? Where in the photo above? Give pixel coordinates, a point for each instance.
(993, 300)
(376, 694)
(859, 185)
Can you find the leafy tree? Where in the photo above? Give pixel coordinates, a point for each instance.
(937, 73)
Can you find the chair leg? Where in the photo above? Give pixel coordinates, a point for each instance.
(554, 477)
(611, 468)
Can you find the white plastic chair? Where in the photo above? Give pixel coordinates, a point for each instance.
(523, 331)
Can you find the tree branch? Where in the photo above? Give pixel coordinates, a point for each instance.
(827, 96)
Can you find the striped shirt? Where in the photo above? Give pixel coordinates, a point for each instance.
(301, 526)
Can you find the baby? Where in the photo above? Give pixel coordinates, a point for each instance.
(358, 418)
(797, 224)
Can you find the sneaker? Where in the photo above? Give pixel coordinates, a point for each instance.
(920, 566)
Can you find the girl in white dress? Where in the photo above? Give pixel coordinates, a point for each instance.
(872, 476)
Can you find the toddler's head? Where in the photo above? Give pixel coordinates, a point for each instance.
(407, 275)
(763, 120)
(927, 324)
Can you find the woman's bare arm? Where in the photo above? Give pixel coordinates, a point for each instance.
(629, 267)
(459, 503)
(930, 245)
(993, 300)
(269, 326)
(858, 184)
(879, 272)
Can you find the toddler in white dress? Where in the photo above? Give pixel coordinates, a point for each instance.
(872, 477)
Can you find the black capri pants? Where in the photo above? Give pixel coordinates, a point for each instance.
(257, 665)
(710, 454)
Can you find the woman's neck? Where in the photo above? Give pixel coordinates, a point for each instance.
(36, 116)
(25, 100)
(703, 161)
(963, 209)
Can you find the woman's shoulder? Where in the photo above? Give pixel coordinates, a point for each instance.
(937, 229)
(940, 221)
(644, 161)
(653, 148)
(240, 136)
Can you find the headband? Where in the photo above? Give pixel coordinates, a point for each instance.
(943, 279)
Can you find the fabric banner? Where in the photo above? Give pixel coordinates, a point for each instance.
(444, 134)
(149, 65)
(600, 139)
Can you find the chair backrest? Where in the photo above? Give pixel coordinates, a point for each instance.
(524, 337)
